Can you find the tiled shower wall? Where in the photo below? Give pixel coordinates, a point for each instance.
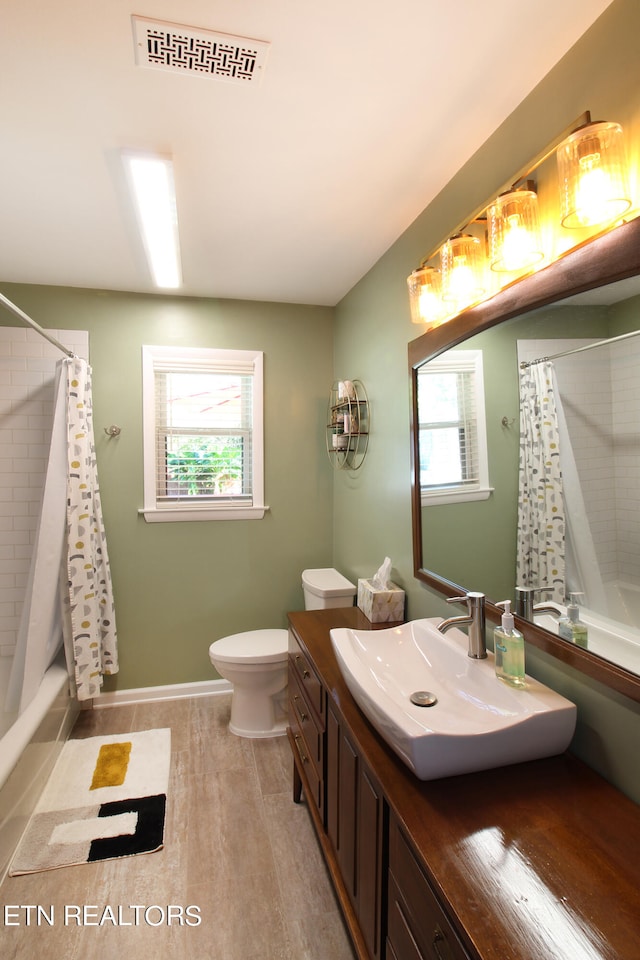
(625, 410)
(27, 368)
(584, 383)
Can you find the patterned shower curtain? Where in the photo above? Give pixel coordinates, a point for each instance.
(541, 520)
(88, 611)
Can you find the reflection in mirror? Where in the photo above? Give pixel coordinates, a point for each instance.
(583, 537)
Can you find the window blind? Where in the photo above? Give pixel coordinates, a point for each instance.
(203, 434)
(447, 401)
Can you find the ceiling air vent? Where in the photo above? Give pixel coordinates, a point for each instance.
(190, 50)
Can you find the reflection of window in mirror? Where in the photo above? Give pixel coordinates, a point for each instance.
(453, 436)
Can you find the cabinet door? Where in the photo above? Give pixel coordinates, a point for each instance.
(333, 779)
(369, 858)
(347, 813)
(355, 826)
(418, 927)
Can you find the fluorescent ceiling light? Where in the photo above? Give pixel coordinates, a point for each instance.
(154, 196)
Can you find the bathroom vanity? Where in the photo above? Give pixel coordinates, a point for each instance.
(536, 861)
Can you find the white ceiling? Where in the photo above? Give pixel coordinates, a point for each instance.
(287, 190)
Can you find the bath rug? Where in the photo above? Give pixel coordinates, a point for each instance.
(105, 799)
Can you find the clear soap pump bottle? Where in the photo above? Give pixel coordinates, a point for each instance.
(571, 627)
(508, 646)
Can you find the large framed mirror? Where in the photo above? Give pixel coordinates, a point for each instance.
(471, 537)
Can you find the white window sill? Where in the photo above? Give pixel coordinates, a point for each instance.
(434, 498)
(186, 514)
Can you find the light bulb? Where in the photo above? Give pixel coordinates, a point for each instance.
(593, 191)
(461, 280)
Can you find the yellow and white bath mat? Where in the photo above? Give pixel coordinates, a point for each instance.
(106, 798)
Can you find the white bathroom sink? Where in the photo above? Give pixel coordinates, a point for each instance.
(477, 723)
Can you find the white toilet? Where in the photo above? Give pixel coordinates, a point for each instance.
(255, 662)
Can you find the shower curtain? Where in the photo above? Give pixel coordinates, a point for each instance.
(69, 597)
(541, 521)
(88, 614)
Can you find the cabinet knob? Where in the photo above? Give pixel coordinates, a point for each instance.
(303, 715)
(439, 938)
(305, 672)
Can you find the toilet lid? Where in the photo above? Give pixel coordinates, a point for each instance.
(254, 646)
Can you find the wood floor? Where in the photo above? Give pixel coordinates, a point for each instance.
(236, 847)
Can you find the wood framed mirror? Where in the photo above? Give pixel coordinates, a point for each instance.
(611, 258)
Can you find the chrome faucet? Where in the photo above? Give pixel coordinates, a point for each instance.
(475, 619)
(526, 608)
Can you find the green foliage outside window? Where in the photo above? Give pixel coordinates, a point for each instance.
(205, 466)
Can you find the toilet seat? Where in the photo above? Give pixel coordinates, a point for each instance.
(253, 646)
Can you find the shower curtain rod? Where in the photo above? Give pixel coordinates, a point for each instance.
(36, 326)
(589, 346)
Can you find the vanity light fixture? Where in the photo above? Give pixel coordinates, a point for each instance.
(515, 242)
(425, 296)
(152, 188)
(462, 263)
(594, 193)
(593, 175)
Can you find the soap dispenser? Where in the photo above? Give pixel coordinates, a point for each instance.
(508, 646)
(571, 626)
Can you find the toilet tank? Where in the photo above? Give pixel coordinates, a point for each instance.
(326, 587)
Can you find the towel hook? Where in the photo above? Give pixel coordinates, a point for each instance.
(112, 431)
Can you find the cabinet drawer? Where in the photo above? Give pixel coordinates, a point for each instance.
(307, 677)
(415, 914)
(299, 709)
(311, 774)
(400, 941)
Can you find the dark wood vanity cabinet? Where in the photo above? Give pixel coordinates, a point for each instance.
(355, 826)
(345, 800)
(539, 861)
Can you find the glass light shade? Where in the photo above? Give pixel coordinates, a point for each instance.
(463, 262)
(515, 242)
(425, 299)
(593, 176)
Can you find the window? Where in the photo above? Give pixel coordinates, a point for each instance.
(203, 440)
(453, 442)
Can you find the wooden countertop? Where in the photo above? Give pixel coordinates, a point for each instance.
(536, 861)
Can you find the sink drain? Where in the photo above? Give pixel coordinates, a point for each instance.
(422, 698)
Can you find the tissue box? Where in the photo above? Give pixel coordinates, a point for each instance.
(380, 605)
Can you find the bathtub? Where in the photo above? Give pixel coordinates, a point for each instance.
(611, 639)
(623, 601)
(29, 747)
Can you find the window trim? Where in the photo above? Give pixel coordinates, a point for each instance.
(455, 361)
(155, 512)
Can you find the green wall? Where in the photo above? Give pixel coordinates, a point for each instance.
(372, 511)
(180, 586)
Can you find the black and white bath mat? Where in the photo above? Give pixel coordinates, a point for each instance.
(105, 799)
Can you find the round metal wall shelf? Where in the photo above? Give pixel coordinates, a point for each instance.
(347, 424)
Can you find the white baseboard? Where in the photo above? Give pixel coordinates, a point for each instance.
(172, 691)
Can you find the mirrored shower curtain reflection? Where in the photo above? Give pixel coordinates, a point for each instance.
(551, 501)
